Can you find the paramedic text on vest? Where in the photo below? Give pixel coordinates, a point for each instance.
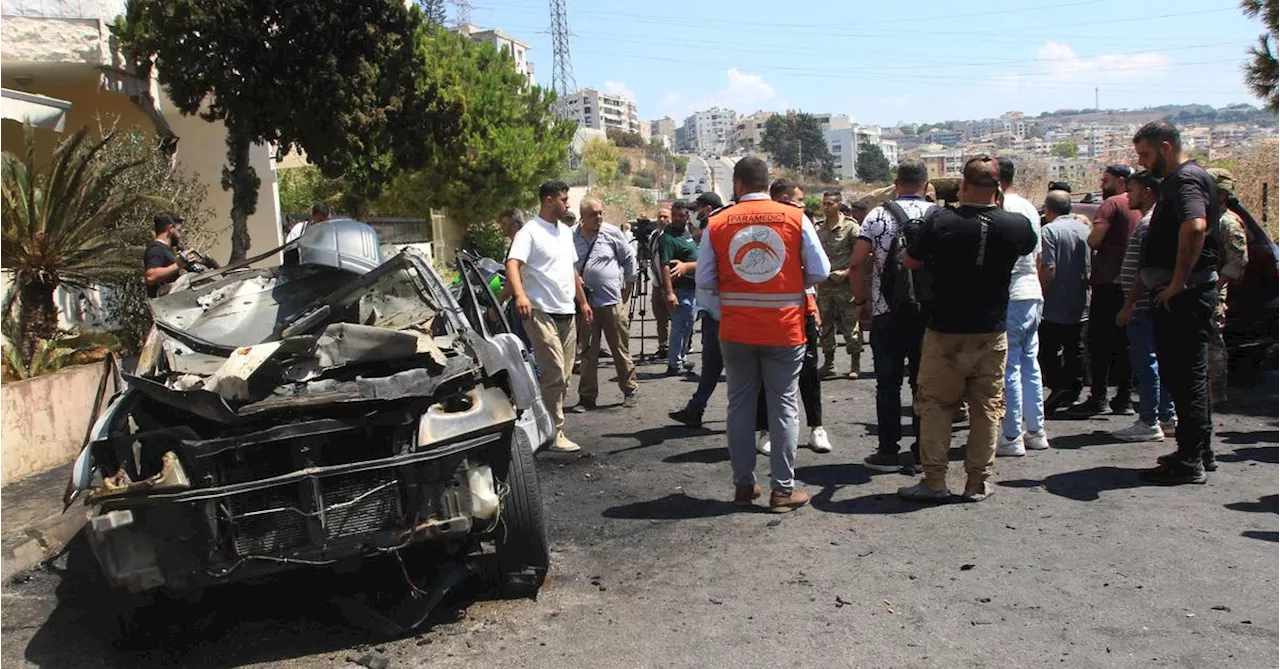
(759, 256)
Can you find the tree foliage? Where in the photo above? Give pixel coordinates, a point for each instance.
(508, 140)
(873, 167)
(344, 80)
(796, 141)
(624, 139)
(601, 158)
(59, 225)
(1262, 72)
(1065, 150)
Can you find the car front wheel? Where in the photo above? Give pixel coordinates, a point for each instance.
(521, 538)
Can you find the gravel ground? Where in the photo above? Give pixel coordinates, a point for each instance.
(1073, 563)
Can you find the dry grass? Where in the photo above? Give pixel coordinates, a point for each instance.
(1259, 167)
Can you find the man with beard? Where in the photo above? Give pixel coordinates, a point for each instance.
(162, 262)
(680, 296)
(542, 272)
(1108, 351)
(1179, 264)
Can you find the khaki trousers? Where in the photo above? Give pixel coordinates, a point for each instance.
(661, 316)
(954, 367)
(611, 323)
(553, 342)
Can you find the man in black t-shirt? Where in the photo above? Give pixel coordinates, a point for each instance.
(969, 253)
(1179, 265)
(162, 262)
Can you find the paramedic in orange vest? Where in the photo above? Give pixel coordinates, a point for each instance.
(759, 256)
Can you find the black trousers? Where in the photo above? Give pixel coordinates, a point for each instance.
(1108, 342)
(1061, 356)
(1182, 349)
(809, 382)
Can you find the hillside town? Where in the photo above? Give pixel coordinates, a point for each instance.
(386, 333)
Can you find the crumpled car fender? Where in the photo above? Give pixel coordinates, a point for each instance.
(505, 352)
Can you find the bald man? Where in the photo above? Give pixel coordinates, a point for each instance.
(607, 264)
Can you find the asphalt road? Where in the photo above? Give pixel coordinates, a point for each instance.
(1073, 563)
(718, 173)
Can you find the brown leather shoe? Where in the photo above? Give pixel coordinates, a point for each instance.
(744, 494)
(780, 502)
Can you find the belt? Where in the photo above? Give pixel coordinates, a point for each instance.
(762, 300)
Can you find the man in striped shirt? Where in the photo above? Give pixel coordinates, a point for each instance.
(1155, 404)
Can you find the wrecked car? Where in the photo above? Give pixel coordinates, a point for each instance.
(332, 409)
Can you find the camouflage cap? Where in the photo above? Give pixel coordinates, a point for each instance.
(1224, 178)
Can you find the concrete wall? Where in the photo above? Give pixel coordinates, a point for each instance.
(44, 420)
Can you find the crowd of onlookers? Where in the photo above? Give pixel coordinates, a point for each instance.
(980, 305)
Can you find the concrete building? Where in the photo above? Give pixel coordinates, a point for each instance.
(709, 131)
(748, 131)
(944, 163)
(503, 42)
(664, 127)
(56, 56)
(603, 111)
(845, 140)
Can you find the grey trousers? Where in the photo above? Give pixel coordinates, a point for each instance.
(777, 368)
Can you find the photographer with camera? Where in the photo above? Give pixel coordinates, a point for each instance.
(676, 244)
(164, 258)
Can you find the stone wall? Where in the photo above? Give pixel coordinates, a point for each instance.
(44, 420)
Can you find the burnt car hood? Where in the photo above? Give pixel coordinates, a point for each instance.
(242, 350)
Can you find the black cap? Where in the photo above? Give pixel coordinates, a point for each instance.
(1060, 185)
(683, 204)
(1122, 171)
(709, 199)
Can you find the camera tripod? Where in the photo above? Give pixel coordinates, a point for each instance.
(639, 296)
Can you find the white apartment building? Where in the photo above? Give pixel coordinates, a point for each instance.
(503, 42)
(709, 131)
(845, 140)
(602, 111)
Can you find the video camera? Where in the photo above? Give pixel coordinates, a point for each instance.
(643, 229)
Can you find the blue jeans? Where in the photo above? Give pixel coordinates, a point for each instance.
(517, 328)
(895, 348)
(712, 364)
(1023, 390)
(1142, 357)
(681, 326)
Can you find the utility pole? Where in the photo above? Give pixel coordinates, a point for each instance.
(562, 80)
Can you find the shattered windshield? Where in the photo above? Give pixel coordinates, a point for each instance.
(257, 306)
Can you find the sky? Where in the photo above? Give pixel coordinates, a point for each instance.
(956, 61)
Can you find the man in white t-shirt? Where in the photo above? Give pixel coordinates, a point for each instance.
(542, 273)
(1023, 389)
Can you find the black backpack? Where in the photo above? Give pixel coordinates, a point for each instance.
(900, 286)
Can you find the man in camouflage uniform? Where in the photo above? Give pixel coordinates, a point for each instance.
(1235, 256)
(837, 233)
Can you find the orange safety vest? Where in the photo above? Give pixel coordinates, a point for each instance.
(757, 245)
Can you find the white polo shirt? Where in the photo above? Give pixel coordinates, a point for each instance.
(548, 254)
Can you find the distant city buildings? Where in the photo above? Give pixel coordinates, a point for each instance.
(708, 131)
(664, 131)
(604, 111)
(749, 130)
(503, 42)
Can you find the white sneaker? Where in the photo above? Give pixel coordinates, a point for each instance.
(1140, 431)
(1010, 448)
(1036, 441)
(763, 445)
(1169, 426)
(818, 440)
(564, 445)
